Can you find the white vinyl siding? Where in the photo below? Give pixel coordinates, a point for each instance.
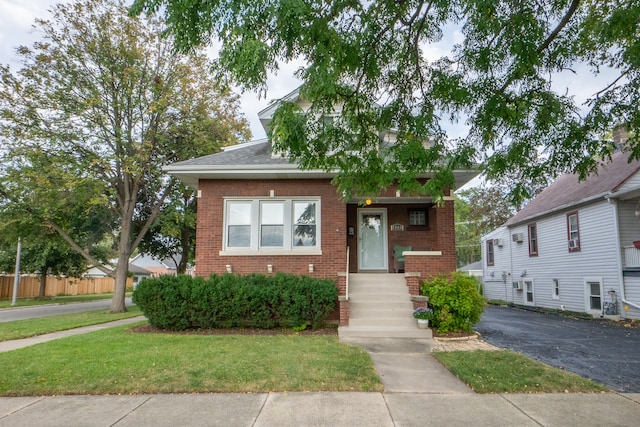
(496, 278)
(597, 257)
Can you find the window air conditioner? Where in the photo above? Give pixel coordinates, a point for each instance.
(573, 243)
(517, 286)
(517, 237)
(497, 242)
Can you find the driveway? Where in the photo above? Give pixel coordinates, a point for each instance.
(604, 351)
(32, 312)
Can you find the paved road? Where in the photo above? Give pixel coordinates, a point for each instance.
(601, 350)
(22, 313)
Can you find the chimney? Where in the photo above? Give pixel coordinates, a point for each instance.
(620, 135)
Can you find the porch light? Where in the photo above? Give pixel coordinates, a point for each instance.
(367, 202)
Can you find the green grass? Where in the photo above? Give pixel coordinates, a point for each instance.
(507, 372)
(118, 361)
(27, 302)
(31, 327)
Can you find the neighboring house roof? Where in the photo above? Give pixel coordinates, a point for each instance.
(568, 190)
(150, 261)
(137, 270)
(470, 267)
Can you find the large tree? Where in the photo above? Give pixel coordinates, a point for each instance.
(98, 107)
(380, 61)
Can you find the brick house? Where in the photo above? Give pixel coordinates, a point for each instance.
(259, 213)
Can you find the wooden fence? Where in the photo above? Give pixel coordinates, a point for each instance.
(29, 286)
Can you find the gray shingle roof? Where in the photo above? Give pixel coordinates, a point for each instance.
(568, 191)
(253, 153)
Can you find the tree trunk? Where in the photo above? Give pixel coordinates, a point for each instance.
(120, 287)
(43, 283)
(186, 243)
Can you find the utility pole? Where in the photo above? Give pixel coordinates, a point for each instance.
(16, 278)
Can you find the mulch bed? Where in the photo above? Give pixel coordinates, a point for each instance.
(237, 331)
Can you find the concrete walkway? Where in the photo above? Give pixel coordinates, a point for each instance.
(418, 392)
(26, 342)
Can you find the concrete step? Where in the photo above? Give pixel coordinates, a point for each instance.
(367, 313)
(386, 293)
(381, 305)
(382, 332)
(400, 322)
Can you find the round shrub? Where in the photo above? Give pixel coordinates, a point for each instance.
(457, 305)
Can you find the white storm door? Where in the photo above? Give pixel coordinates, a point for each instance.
(372, 239)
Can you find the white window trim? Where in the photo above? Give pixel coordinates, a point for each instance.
(587, 294)
(255, 249)
(555, 283)
(524, 292)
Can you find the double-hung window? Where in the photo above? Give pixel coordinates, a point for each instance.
(271, 225)
(533, 239)
(573, 232)
(490, 253)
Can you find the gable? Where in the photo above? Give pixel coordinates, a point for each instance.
(568, 190)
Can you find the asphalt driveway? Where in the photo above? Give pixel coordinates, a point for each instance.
(604, 351)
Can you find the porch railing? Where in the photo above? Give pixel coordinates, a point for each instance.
(631, 256)
(347, 277)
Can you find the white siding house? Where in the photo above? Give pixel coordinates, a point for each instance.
(496, 267)
(572, 247)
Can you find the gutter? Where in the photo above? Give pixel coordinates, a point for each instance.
(614, 202)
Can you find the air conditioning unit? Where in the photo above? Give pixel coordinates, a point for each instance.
(498, 242)
(517, 237)
(574, 244)
(517, 286)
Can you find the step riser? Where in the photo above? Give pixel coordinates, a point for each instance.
(367, 333)
(395, 322)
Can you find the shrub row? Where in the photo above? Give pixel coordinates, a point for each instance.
(230, 301)
(456, 302)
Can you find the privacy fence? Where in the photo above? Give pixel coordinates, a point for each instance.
(29, 286)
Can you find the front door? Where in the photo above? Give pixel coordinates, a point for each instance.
(372, 239)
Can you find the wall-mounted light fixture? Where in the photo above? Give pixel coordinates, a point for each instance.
(269, 268)
(310, 268)
(229, 270)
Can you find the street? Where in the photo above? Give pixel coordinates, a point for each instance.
(32, 312)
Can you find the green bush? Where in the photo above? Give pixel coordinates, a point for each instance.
(229, 301)
(457, 305)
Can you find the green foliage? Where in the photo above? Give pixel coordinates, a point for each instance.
(229, 301)
(502, 79)
(99, 105)
(457, 305)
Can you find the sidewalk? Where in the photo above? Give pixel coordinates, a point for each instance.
(418, 392)
(324, 409)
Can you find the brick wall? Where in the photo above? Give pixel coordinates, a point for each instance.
(210, 228)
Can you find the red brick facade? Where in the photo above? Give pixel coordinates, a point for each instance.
(210, 225)
(336, 218)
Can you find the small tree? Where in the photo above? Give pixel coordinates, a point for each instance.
(456, 302)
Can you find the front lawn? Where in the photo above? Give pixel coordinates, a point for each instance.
(44, 325)
(507, 372)
(119, 361)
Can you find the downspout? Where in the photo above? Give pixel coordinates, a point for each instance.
(614, 202)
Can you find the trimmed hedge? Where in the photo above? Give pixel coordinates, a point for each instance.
(456, 302)
(231, 301)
